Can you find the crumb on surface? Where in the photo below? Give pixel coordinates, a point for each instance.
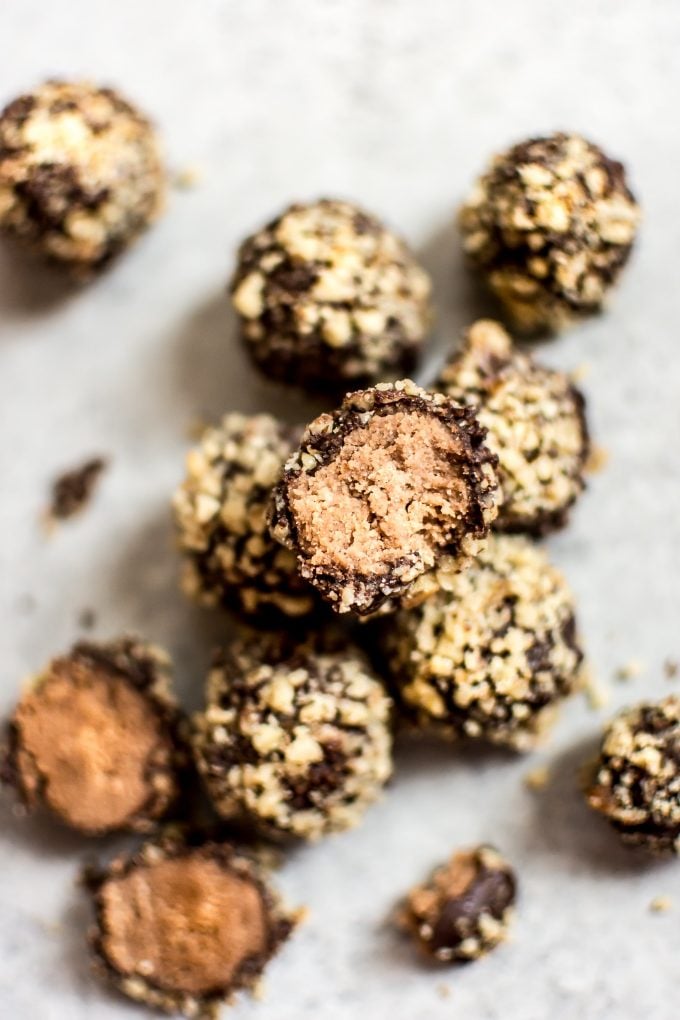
(597, 695)
(631, 669)
(188, 177)
(72, 490)
(538, 778)
(671, 668)
(597, 459)
(661, 905)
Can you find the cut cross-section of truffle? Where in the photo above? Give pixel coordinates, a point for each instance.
(221, 515)
(80, 173)
(394, 483)
(327, 296)
(182, 928)
(550, 225)
(536, 425)
(98, 738)
(464, 908)
(293, 739)
(636, 781)
(490, 656)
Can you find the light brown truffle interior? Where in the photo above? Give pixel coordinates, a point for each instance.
(448, 882)
(184, 924)
(392, 491)
(85, 743)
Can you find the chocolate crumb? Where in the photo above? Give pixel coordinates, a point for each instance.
(87, 618)
(72, 490)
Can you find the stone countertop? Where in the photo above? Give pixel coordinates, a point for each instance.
(397, 105)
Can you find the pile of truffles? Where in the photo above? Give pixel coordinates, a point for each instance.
(382, 557)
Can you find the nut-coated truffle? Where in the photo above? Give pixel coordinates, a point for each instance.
(636, 782)
(80, 173)
(464, 909)
(328, 296)
(221, 515)
(393, 483)
(98, 739)
(550, 225)
(535, 421)
(490, 656)
(293, 739)
(182, 928)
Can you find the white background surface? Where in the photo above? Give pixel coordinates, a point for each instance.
(395, 104)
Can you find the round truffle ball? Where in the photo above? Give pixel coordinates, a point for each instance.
(181, 928)
(636, 784)
(550, 225)
(220, 511)
(293, 739)
(536, 426)
(491, 656)
(464, 909)
(329, 296)
(394, 483)
(98, 739)
(80, 173)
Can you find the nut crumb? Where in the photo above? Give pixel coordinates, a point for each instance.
(597, 460)
(596, 694)
(670, 668)
(630, 669)
(188, 177)
(444, 991)
(538, 778)
(581, 372)
(661, 905)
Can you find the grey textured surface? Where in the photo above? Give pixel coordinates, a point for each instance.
(397, 105)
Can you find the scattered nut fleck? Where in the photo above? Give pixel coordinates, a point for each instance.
(630, 669)
(538, 778)
(661, 905)
(670, 668)
(597, 460)
(188, 177)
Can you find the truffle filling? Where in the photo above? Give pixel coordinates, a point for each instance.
(185, 924)
(88, 740)
(393, 491)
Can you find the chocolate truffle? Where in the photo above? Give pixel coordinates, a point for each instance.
(181, 928)
(293, 739)
(535, 421)
(80, 173)
(636, 782)
(550, 225)
(328, 296)
(490, 656)
(396, 481)
(464, 908)
(97, 738)
(221, 515)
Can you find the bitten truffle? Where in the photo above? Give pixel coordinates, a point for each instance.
(328, 296)
(464, 909)
(80, 173)
(182, 928)
(293, 739)
(550, 225)
(490, 656)
(98, 738)
(636, 782)
(396, 481)
(220, 511)
(536, 425)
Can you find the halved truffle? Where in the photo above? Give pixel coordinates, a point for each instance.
(464, 909)
(98, 738)
(636, 780)
(221, 516)
(295, 738)
(329, 297)
(182, 928)
(535, 421)
(80, 173)
(491, 656)
(550, 225)
(393, 483)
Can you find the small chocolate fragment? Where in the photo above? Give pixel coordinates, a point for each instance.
(71, 491)
(535, 421)
(393, 483)
(464, 909)
(328, 296)
(490, 656)
(80, 173)
(182, 928)
(550, 225)
(97, 738)
(295, 737)
(636, 780)
(220, 511)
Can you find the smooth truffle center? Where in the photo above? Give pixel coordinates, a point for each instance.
(86, 740)
(392, 491)
(185, 924)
